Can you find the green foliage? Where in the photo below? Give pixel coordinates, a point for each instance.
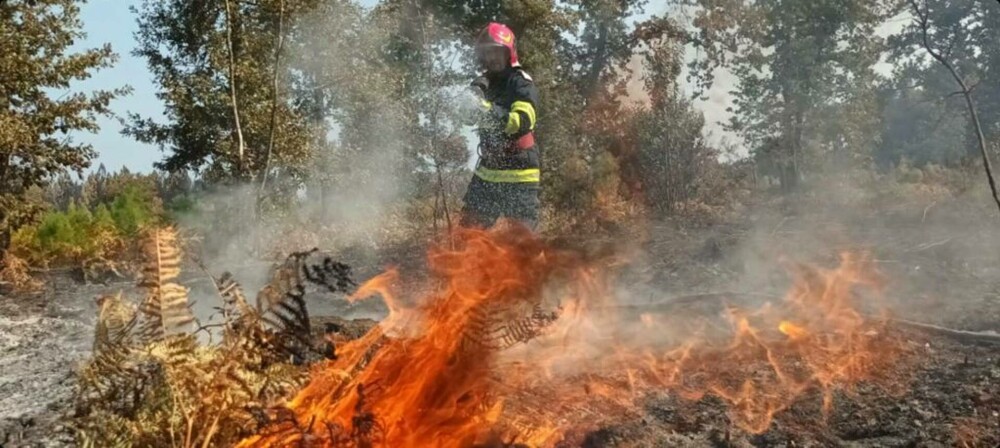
(804, 72)
(921, 129)
(223, 73)
(65, 231)
(84, 235)
(921, 91)
(35, 41)
(133, 210)
(180, 206)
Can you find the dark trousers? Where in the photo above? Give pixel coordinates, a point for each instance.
(485, 202)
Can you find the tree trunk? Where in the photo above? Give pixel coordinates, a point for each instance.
(593, 79)
(793, 164)
(4, 239)
(974, 117)
(5, 229)
(788, 153)
(240, 145)
(275, 78)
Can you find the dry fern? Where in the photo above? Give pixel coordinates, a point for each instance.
(498, 327)
(165, 310)
(151, 383)
(233, 299)
(282, 306)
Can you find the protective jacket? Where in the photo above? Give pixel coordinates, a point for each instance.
(506, 183)
(507, 149)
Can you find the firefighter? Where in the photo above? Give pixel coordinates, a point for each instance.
(506, 180)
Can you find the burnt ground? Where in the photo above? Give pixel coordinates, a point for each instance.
(42, 338)
(946, 396)
(941, 261)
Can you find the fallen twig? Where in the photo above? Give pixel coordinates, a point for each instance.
(926, 246)
(968, 337)
(927, 209)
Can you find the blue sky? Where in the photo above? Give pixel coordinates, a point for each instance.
(111, 21)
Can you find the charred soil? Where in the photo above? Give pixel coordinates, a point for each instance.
(941, 268)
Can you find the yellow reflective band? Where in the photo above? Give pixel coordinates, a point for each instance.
(510, 176)
(528, 109)
(513, 123)
(486, 105)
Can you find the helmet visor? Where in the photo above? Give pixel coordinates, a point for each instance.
(492, 57)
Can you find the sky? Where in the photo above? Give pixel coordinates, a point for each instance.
(111, 21)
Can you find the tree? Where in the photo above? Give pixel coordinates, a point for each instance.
(946, 57)
(35, 127)
(793, 60)
(920, 127)
(942, 53)
(672, 152)
(224, 77)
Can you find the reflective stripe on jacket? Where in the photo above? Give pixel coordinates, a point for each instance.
(506, 136)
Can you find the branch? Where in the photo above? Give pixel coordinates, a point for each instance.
(923, 19)
(973, 87)
(274, 95)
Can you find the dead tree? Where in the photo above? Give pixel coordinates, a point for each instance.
(923, 20)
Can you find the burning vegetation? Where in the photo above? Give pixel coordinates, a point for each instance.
(154, 379)
(715, 137)
(510, 342)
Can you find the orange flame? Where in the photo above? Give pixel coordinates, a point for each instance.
(452, 369)
(791, 330)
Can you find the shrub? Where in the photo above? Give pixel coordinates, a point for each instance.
(134, 209)
(84, 237)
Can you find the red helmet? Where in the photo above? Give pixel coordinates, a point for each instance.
(498, 34)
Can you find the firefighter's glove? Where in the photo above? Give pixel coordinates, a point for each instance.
(472, 105)
(481, 85)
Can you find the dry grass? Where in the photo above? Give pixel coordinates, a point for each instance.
(16, 275)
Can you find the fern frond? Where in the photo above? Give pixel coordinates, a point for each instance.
(163, 258)
(496, 327)
(333, 275)
(282, 306)
(166, 309)
(174, 350)
(105, 431)
(112, 348)
(116, 321)
(234, 300)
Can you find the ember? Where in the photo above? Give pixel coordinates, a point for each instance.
(453, 369)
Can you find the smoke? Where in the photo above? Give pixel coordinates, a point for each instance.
(365, 185)
(368, 177)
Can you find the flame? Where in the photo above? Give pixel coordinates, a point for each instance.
(523, 343)
(791, 330)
